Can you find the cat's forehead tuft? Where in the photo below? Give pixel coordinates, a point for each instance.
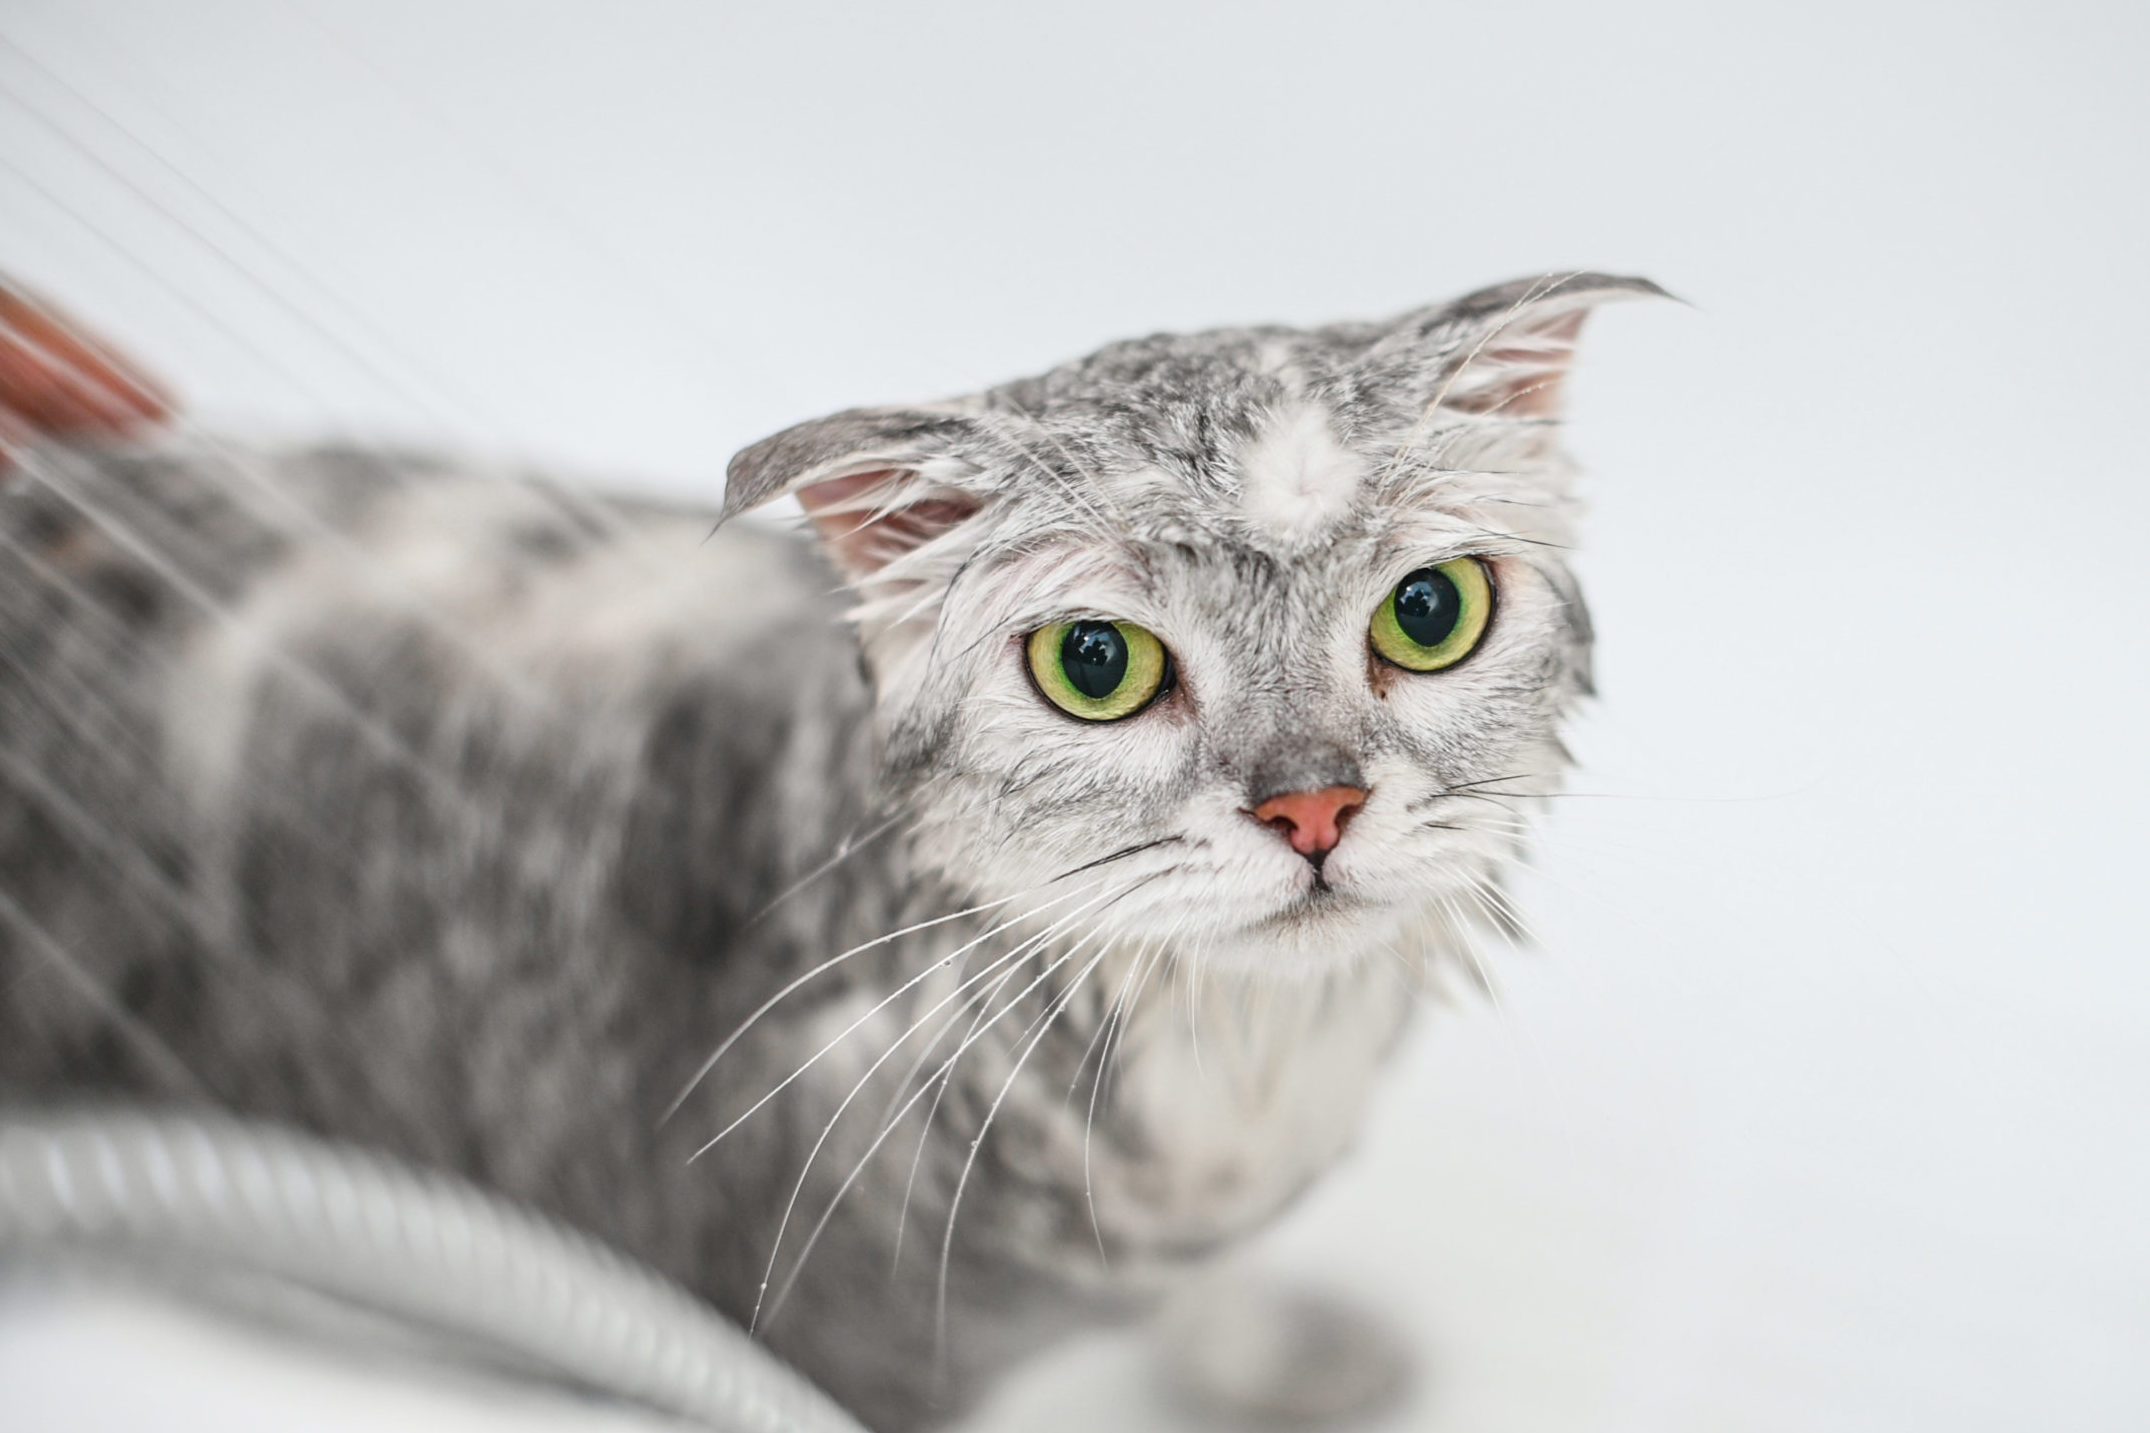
(1297, 482)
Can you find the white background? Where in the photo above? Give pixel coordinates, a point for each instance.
(1821, 1103)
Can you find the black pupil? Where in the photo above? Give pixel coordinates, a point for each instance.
(1428, 606)
(1094, 656)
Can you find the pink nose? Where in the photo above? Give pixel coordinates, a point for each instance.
(1313, 821)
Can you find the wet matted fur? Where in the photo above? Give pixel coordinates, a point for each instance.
(453, 813)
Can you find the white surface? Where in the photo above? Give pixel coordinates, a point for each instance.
(1822, 1106)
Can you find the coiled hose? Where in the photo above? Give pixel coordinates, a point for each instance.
(422, 1249)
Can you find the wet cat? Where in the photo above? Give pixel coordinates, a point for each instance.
(920, 940)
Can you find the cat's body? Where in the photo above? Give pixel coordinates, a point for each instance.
(442, 812)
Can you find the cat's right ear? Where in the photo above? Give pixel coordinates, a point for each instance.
(1505, 351)
(878, 483)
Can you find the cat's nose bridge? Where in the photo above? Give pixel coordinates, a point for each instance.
(1293, 763)
(1288, 728)
(1289, 733)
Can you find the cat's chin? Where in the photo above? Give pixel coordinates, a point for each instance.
(1319, 932)
(1318, 906)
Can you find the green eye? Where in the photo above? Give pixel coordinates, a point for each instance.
(1099, 671)
(1435, 616)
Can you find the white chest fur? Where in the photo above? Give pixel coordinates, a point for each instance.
(1229, 1097)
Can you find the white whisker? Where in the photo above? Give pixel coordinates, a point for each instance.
(955, 1202)
(939, 964)
(1033, 945)
(859, 1168)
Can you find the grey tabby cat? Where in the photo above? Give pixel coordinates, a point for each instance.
(1049, 832)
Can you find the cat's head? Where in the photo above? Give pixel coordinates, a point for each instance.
(1245, 639)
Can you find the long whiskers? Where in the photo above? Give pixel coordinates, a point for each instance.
(890, 1126)
(955, 1202)
(940, 964)
(1116, 1025)
(1017, 955)
(1120, 855)
(941, 1079)
(849, 846)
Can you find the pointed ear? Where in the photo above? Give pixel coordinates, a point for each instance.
(1506, 350)
(878, 483)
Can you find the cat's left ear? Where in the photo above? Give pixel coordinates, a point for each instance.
(1505, 351)
(878, 482)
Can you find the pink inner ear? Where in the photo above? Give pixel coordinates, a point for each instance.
(1519, 371)
(844, 513)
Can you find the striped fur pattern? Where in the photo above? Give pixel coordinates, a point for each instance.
(737, 898)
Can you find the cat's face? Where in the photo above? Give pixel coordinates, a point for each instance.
(1253, 642)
